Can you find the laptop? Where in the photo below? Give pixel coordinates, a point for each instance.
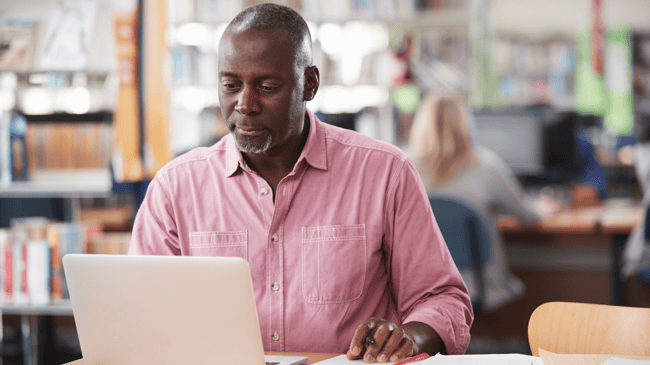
(165, 310)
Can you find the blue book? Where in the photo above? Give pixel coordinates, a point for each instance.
(18, 149)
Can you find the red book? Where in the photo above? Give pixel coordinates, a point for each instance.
(7, 272)
(56, 274)
(25, 285)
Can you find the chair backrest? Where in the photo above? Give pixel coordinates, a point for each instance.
(647, 223)
(455, 220)
(466, 237)
(581, 328)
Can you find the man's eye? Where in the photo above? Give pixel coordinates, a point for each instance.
(268, 89)
(230, 86)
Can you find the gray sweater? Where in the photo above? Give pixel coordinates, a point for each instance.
(487, 186)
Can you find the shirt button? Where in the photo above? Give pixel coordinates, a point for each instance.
(264, 191)
(274, 238)
(275, 287)
(275, 337)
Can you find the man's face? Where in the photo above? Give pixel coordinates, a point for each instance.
(260, 91)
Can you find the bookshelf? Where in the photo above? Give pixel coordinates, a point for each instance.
(61, 307)
(536, 71)
(67, 184)
(57, 132)
(30, 323)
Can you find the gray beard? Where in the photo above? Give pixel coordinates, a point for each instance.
(247, 146)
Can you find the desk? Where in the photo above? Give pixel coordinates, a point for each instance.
(619, 222)
(614, 222)
(30, 318)
(312, 358)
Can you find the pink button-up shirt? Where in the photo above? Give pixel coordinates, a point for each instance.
(351, 236)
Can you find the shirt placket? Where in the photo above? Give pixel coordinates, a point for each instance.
(275, 253)
(275, 265)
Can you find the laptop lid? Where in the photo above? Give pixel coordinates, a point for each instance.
(163, 309)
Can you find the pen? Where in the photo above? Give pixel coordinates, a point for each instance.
(415, 358)
(370, 340)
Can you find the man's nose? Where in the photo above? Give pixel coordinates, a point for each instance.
(247, 102)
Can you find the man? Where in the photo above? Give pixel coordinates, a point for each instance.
(336, 227)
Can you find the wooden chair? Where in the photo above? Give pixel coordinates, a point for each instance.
(580, 328)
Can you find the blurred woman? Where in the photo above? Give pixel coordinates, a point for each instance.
(441, 147)
(636, 256)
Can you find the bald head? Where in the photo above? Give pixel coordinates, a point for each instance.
(273, 16)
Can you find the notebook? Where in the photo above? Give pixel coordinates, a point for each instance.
(165, 310)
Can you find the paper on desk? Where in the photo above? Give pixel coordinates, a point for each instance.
(343, 359)
(491, 359)
(487, 359)
(550, 358)
(622, 361)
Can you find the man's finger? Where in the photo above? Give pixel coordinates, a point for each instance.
(392, 344)
(382, 334)
(358, 345)
(405, 350)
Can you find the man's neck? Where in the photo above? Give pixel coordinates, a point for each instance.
(274, 167)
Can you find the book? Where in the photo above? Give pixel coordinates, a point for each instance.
(17, 132)
(6, 258)
(38, 271)
(71, 240)
(364, 9)
(5, 149)
(31, 254)
(68, 146)
(69, 35)
(17, 39)
(20, 289)
(126, 157)
(56, 265)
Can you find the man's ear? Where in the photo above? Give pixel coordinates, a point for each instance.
(312, 81)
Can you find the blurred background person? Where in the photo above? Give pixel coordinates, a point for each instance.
(440, 145)
(636, 257)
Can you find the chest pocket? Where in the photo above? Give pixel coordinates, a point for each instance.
(222, 244)
(333, 263)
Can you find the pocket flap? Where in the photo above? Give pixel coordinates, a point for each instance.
(232, 238)
(331, 233)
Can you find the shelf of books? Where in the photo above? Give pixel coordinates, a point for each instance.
(31, 253)
(54, 152)
(536, 71)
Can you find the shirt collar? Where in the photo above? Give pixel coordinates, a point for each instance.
(314, 151)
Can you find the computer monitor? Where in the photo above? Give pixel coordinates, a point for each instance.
(343, 120)
(516, 135)
(561, 155)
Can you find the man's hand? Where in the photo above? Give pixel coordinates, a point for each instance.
(391, 342)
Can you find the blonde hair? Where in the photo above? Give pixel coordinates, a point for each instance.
(440, 139)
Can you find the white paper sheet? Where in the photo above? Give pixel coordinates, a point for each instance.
(621, 361)
(488, 359)
(343, 359)
(491, 359)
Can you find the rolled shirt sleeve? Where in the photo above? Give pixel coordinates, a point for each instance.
(425, 281)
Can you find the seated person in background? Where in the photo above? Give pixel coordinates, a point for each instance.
(636, 255)
(441, 147)
(336, 227)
